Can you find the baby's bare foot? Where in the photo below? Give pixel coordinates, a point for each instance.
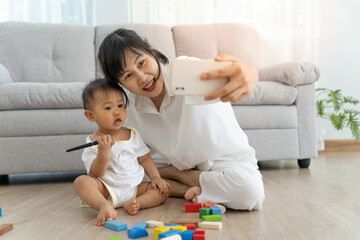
(106, 213)
(192, 193)
(132, 207)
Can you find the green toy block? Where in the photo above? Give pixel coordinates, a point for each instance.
(115, 238)
(204, 211)
(211, 218)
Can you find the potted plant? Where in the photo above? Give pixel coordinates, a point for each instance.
(333, 106)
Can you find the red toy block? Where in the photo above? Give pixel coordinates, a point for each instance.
(208, 204)
(190, 226)
(199, 235)
(192, 207)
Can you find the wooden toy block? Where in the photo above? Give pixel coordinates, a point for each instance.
(187, 235)
(223, 209)
(181, 228)
(194, 221)
(154, 224)
(4, 228)
(137, 232)
(169, 233)
(215, 210)
(199, 235)
(211, 225)
(192, 207)
(208, 204)
(115, 238)
(204, 211)
(172, 225)
(115, 225)
(159, 230)
(190, 226)
(211, 218)
(142, 225)
(173, 237)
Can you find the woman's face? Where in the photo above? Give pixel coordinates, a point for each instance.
(141, 75)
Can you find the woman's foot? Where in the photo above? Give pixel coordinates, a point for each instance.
(192, 193)
(106, 213)
(132, 207)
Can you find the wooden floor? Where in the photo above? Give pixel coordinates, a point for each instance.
(322, 202)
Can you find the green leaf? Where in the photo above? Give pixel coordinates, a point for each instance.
(351, 100)
(353, 124)
(335, 97)
(338, 121)
(320, 106)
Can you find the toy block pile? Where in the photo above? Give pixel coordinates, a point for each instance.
(186, 229)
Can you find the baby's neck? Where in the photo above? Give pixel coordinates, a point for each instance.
(122, 134)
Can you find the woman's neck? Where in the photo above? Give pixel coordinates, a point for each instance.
(158, 99)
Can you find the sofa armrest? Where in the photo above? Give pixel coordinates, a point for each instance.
(5, 76)
(291, 73)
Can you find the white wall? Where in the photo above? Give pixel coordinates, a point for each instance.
(339, 53)
(112, 11)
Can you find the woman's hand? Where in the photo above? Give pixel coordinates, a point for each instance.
(162, 185)
(242, 76)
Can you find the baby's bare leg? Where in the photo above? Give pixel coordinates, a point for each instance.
(93, 192)
(146, 197)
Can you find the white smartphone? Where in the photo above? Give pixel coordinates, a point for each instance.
(185, 76)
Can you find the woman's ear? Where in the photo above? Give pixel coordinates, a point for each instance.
(89, 115)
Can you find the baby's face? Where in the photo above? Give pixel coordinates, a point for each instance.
(109, 111)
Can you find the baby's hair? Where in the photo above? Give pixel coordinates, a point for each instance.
(100, 84)
(112, 52)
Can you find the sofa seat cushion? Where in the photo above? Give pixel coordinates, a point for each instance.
(45, 122)
(270, 93)
(31, 95)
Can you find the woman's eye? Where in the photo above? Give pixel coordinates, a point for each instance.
(128, 76)
(108, 108)
(141, 63)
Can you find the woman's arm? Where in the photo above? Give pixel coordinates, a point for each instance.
(242, 76)
(100, 164)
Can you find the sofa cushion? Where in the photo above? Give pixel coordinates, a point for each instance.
(5, 75)
(291, 73)
(27, 95)
(206, 41)
(42, 52)
(270, 93)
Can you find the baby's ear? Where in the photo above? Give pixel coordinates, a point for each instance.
(89, 115)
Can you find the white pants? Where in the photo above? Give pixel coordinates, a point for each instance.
(239, 188)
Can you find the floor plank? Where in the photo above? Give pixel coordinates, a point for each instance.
(322, 202)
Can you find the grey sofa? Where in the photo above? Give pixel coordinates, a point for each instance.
(43, 68)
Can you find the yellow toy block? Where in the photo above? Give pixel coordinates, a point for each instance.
(181, 228)
(159, 230)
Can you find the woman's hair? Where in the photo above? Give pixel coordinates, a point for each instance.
(103, 85)
(112, 52)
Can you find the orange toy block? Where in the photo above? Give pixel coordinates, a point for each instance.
(208, 204)
(194, 221)
(4, 228)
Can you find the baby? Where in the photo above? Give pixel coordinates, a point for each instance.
(116, 166)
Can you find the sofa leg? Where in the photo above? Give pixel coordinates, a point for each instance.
(304, 163)
(4, 179)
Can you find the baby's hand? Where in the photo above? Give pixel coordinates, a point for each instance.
(162, 185)
(105, 143)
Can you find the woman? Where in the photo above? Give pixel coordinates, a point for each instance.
(204, 137)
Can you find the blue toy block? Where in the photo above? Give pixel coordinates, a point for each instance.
(187, 235)
(173, 225)
(215, 210)
(142, 225)
(0, 212)
(169, 233)
(137, 232)
(115, 225)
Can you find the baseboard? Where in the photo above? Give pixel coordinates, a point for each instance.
(342, 146)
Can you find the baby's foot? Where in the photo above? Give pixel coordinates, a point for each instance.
(192, 193)
(132, 207)
(106, 213)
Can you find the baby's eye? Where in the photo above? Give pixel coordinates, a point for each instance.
(108, 108)
(121, 105)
